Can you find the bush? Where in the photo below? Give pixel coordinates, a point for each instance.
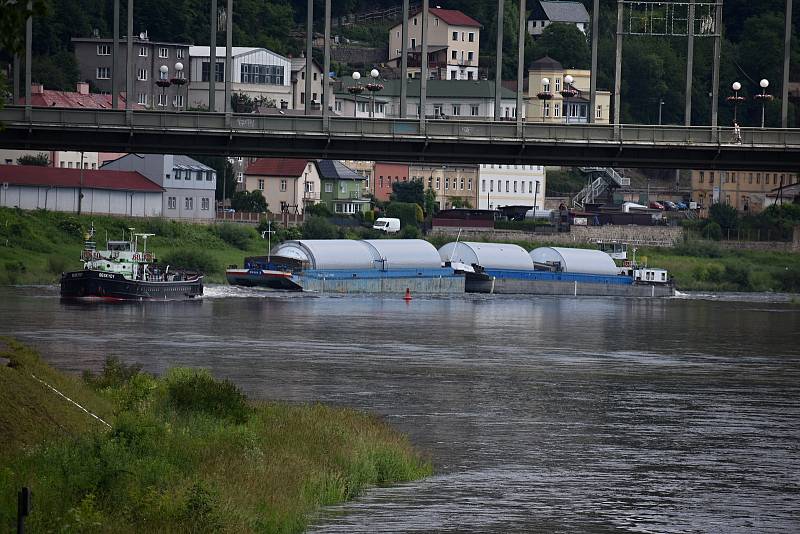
(369, 217)
(236, 235)
(196, 390)
(405, 211)
(738, 275)
(699, 249)
(319, 228)
(318, 210)
(712, 231)
(56, 264)
(197, 260)
(724, 215)
(409, 232)
(789, 280)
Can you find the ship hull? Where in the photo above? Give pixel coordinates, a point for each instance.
(99, 285)
(564, 284)
(262, 278)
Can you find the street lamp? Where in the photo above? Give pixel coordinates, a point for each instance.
(545, 95)
(735, 98)
(163, 82)
(373, 86)
(660, 105)
(568, 92)
(179, 80)
(763, 97)
(355, 90)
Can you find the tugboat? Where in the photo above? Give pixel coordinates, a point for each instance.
(122, 272)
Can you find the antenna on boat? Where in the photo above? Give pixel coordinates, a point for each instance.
(268, 232)
(455, 246)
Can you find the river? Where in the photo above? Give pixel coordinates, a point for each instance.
(540, 414)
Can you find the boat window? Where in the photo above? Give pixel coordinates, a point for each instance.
(119, 245)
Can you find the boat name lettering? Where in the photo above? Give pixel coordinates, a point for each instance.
(105, 275)
(76, 275)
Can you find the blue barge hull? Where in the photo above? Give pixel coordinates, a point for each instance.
(560, 283)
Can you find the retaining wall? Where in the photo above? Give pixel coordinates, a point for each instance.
(656, 236)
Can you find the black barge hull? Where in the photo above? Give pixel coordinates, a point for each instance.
(99, 285)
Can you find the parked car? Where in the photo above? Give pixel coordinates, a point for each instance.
(682, 206)
(656, 205)
(669, 205)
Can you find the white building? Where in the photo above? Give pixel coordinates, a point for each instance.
(257, 72)
(189, 185)
(545, 13)
(104, 192)
(511, 185)
(299, 84)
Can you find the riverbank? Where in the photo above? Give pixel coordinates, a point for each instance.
(37, 246)
(183, 452)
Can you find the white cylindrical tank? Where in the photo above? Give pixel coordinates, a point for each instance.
(576, 260)
(540, 214)
(487, 255)
(328, 253)
(403, 254)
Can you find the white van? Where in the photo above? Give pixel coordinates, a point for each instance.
(389, 225)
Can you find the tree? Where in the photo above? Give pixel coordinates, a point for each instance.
(253, 201)
(431, 205)
(724, 215)
(319, 228)
(412, 191)
(243, 103)
(405, 211)
(566, 44)
(39, 160)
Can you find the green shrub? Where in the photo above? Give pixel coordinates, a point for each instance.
(699, 249)
(197, 260)
(319, 228)
(405, 211)
(409, 232)
(369, 216)
(191, 390)
(712, 231)
(56, 264)
(738, 275)
(70, 226)
(789, 280)
(236, 235)
(318, 210)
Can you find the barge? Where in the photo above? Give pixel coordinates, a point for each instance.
(350, 266)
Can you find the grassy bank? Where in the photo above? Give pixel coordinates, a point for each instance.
(184, 453)
(37, 246)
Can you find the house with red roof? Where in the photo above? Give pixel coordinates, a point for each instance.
(79, 190)
(453, 43)
(288, 185)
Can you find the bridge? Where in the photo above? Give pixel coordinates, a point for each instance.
(407, 140)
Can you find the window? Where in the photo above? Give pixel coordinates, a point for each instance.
(455, 36)
(438, 183)
(437, 110)
(507, 186)
(556, 110)
(188, 203)
(239, 177)
(515, 186)
(447, 183)
(163, 75)
(103, 50)
(69, 165)
(163, 51)
(454, 54)
(209, 176)
(462, 36)
(470, 56)
(471, 37)
(456, 110)
(338, 105)
(711, 177)
(142, 75)
(469, 185)
(162, 100)
(483, 185)
(220, 71)
(142, 51)
(179, 53)
(103, 73)
(379, 108)
(329, 187)
(283, 185)
(462, 184)
(413, 42)
(702, 177)
(342, 187)
(204, 203)
(178, 101)
(142, 99)
(415, 21)
(475, 109)
(750, 180)
(262, 74)
(491, 185)
(260, 184)
(309, 186)
(599, 112)
(315, 76)
(758, 177)
(313, 97)
(171, 203)
(546, 88)
(198, 175)
(546, 109)
(558, 84)
(362, 107)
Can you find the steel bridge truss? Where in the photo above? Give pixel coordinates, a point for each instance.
(671, 19)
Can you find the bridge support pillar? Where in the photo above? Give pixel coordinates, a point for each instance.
(520, 63)
(115, 59)
(229, 61)
(498, 75)
(593, 75)
(129, 66)
(326, 86)
(618, 72)
(404, 64)
(212, 60)
(423, 78)
(689, 66)
(28, 61)
(787, 45)
(715, 71)
(309, 51)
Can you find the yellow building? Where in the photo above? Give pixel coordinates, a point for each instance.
(546, 77)
(744, 190)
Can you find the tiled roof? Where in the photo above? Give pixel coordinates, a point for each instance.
(545, 63)
(277, 167)
(68, 99)
(454, 17)
(30, 175)
(563, 11)
(332, 169)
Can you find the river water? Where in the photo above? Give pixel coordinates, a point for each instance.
(540, 414)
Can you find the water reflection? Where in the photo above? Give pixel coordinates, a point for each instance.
(541, 414)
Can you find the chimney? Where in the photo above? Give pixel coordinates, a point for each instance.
(37, 89)
(83, 88)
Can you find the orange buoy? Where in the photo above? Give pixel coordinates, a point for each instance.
(407, 296)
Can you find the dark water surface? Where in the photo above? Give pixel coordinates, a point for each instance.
(540, 414)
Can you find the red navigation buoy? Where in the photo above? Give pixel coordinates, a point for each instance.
(407, 296)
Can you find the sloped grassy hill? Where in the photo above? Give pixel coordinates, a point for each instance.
(184, 453)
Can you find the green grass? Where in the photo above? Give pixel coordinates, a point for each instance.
(36, 246)
(186, 453)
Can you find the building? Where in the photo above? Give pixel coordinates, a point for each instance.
(385, 175)
(365, 169)
(544, 14)
(94, 62)
(453, 45)
(288, 185)
(298, 66)
(79, 191)
(257, 73)
(468, 100)
(511, 185)
(342, 188)
(454, 185)
(361, 106)
(747, 191)
(565, 103)
(189, 186)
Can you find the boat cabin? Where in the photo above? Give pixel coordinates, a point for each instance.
(652, 276)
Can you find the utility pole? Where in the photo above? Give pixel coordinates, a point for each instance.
(498, 76)
(520, 64)
(404, 64)
(689, 66)
(309, 52)
(787, 45)
(212, 61)
(593, 80)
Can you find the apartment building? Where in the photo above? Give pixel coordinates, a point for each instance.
(551, 99)
(454, 185)
(453, 45)
(511, 185)
(94, 63)
(747, 191)
(288, 185)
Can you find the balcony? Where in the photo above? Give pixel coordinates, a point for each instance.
(461, 62)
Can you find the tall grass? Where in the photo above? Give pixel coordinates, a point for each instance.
(187, 453)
